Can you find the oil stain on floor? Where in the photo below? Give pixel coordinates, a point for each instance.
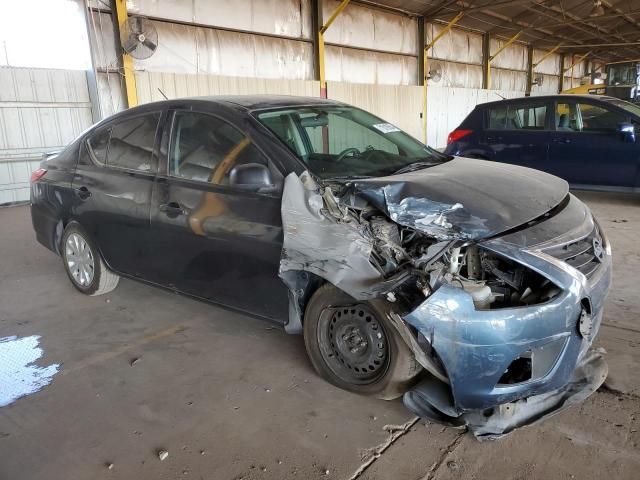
(19, 376)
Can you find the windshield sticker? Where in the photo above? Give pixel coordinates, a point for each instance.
(386, 127)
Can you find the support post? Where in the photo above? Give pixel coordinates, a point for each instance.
(421, 52)
(316, 23)
(561, 85)
(92, 81)
(425, 68)
(323, 29)
(119, 10)
(529, 70)
(485, 60)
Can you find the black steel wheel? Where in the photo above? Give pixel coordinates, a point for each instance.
(354, 346)
(353, 343)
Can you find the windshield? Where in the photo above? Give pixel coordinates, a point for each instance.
(628, 106)
(346, 142)
(622, 74)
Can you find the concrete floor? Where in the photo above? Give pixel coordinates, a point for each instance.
(232, 397)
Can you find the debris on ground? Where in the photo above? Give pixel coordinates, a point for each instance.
(133, 361)
(162, 454)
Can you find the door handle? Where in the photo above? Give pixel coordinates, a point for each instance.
(172, 209)
(82, 192)
(561, 140)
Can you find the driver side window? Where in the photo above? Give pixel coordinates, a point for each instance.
(206, 149)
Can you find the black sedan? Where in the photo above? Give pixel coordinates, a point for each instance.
(394, 260)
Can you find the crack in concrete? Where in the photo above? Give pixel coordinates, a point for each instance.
(373, 453)
(443, 456)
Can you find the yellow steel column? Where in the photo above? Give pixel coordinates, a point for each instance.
(127, 61)
(327, 24)
(500, 50)
(427, 47)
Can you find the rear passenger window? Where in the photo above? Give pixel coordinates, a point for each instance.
(97, 145)
(517, 117)
(206, 149)
(131, 144)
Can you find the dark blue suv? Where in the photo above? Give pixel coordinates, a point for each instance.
(587, 140)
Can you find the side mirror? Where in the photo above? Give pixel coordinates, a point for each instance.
(251, 176)
(627, 132)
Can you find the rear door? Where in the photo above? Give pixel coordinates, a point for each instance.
(211, 239)
(518, 133)
(112, 186)
(586, 148)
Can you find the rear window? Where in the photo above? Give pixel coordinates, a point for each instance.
(517, 117)
(131, 144)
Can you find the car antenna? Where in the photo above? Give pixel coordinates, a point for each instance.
(504, 98)
(162, 93)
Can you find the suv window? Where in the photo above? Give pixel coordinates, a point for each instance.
(97, 145)
(567, 118)
(599, 119)
(206, 149)
(517, 117)
(132, 141)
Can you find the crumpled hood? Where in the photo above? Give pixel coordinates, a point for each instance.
(465, 198)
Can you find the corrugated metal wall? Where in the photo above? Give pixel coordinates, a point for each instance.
(176, 85)
(458, 54)
(40, 110)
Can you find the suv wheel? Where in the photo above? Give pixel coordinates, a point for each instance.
(83, 263)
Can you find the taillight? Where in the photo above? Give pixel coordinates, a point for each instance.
(457, 135)
(37, 175)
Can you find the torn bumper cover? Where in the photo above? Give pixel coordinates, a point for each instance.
(478, 348)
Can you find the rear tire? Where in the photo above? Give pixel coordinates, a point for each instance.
(353, 345)
(83, 263)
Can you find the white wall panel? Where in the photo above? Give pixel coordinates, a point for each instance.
(40, 110)
(289, 18)
(188, 49)
(359, 26)
(508, 80)
(550, 85)
(102, 41)
(456, 74)
(550, 65)
(360, 66)
(513, 57)
(400, 105)
(455, 45)
(175, 85)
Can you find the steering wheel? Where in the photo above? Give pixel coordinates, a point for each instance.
(346, 152)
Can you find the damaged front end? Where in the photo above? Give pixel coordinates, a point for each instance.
(499, 296)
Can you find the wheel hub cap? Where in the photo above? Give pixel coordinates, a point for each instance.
(358, 348)
(79, 260)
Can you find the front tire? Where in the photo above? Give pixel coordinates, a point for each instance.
(354, 346)
(83, 263)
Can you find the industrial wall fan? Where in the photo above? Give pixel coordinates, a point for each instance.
(435, 72)
(139, 37)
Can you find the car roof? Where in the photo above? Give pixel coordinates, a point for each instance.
(249, 102)
(566, 96)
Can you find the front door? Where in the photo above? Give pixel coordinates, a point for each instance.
(586, 148)
(517, 133)
(113, 183)
(212, 239)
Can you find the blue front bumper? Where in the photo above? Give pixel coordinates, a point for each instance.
(476, 347)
